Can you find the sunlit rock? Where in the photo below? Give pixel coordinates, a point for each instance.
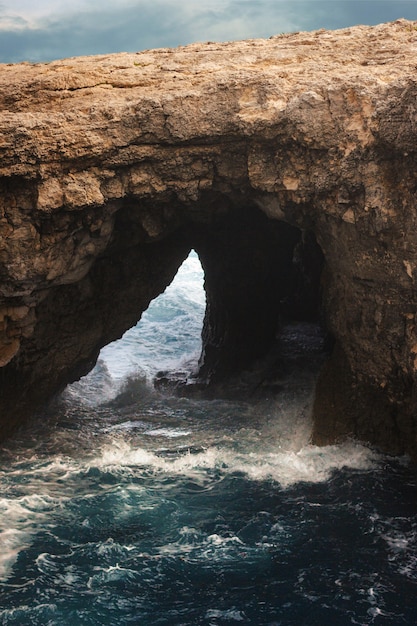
(261, 155)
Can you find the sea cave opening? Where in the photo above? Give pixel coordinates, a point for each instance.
(166, 341)
(248, 293)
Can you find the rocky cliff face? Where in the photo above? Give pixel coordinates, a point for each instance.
(254, 153)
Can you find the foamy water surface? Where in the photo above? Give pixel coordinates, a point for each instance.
(126, 505)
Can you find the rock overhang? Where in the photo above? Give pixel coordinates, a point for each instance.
(111, 164)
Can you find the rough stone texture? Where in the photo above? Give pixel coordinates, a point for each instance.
(113, 167)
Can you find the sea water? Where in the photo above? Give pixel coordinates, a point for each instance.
(123, 504)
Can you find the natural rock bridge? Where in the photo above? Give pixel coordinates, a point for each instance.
(253, 153)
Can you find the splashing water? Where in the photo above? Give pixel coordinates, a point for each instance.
(126, 505)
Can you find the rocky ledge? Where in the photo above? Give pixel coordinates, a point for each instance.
(289, 164)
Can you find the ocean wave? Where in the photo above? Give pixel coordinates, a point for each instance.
(309, 464)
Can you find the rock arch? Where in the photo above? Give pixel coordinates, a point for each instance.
(112, 168)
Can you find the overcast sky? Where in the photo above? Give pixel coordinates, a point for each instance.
(43, 30)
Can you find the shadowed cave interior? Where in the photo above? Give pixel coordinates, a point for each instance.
(260, 276)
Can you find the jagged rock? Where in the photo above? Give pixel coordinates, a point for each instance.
(113, 167)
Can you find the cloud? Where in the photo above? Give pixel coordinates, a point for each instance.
(12, 22)
(102, 26)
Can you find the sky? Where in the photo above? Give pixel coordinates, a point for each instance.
(44, 30)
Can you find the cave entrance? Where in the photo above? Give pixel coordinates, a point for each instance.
(261, 278)
(260, 275)
(165, 345)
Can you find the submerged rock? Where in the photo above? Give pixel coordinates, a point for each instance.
(288, 164)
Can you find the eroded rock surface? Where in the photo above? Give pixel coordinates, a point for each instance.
(113, 167)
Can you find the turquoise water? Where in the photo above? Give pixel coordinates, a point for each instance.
(126, 505)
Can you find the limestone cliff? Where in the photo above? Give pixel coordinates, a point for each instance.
(113, 167)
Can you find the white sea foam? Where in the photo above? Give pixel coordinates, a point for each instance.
(396, 543)
(26, 613)
(233, 615)
(20, 518)
(310, 464)
(12, 542)
(196, 545)
(171, 433)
